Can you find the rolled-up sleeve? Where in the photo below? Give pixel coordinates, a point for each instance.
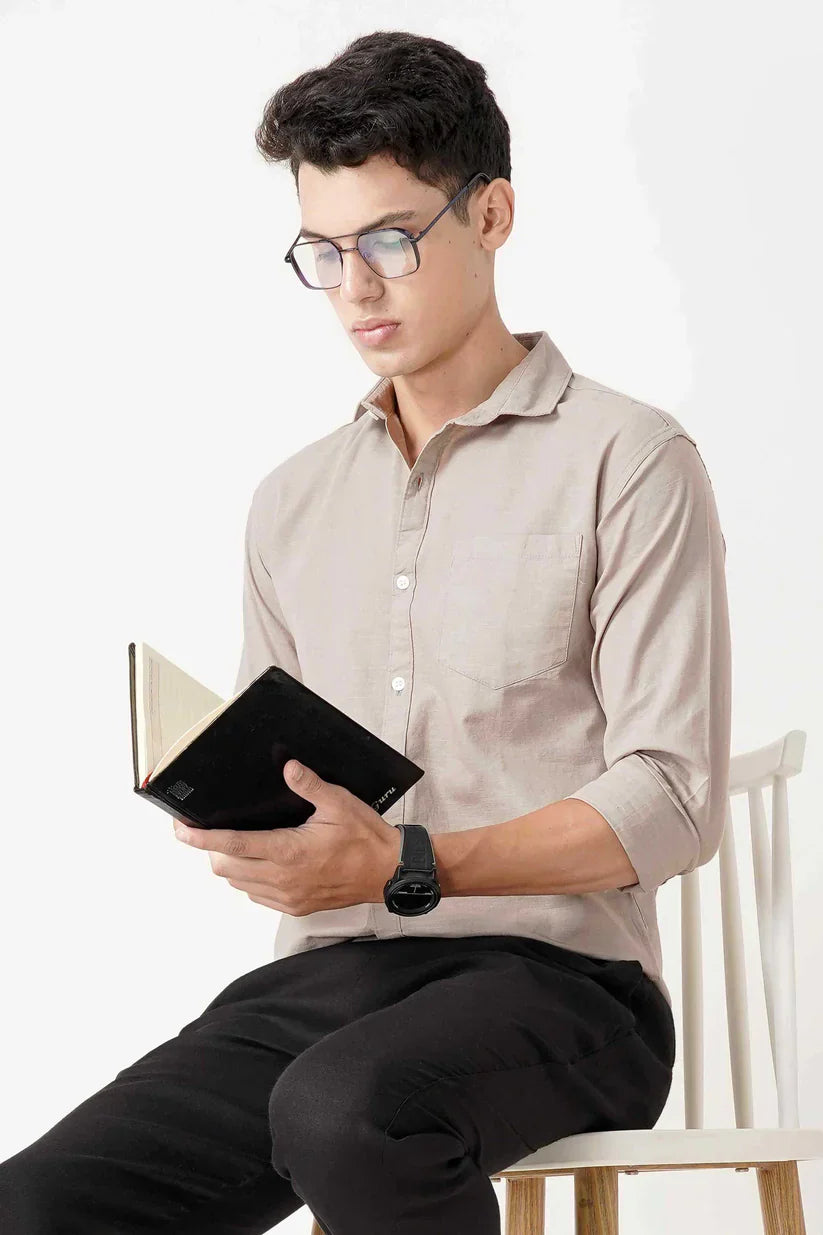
(267, 639)
(661, 665)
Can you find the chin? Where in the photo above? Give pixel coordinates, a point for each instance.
(385, 364)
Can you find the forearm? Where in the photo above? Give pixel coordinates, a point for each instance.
(566, 846)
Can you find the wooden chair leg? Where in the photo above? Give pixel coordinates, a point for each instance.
(780, 1201)
(525, 1206)
(595, 1200)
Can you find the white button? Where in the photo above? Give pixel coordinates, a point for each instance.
(402, 581)
(398, 683)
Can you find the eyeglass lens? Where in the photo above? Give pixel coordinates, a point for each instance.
(388, 251)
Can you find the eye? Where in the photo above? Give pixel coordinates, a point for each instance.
(386, 239)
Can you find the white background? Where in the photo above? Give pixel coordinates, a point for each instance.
(160, 357)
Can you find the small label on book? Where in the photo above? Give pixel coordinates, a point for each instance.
(180, 789)
(379, 801)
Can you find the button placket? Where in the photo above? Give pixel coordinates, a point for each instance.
(412, 521)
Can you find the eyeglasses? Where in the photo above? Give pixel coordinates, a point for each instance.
(390, 252)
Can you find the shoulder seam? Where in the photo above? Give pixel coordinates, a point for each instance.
(664, 435)
(621, 394)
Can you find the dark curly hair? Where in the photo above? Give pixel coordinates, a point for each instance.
(419, 100)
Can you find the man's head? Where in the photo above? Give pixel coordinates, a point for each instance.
(399, 122)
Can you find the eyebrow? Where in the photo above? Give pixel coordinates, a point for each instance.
(394, 216)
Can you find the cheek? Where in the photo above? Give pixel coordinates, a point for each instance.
(442, 285)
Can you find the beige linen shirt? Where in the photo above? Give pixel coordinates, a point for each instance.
(535, 610)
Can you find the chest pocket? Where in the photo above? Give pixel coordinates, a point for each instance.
(508, 605)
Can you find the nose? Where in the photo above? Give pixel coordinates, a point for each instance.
(358, 276)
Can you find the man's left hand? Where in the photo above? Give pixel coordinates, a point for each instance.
(342, 855)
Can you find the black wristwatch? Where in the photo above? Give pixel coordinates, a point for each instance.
(413, 888)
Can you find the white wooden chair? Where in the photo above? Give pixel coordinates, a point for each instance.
(597, 1158)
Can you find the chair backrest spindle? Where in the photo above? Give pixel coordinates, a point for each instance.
(761, 863)
(784, 1012)
(734, 967)
(691, 952)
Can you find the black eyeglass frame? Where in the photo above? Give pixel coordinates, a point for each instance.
(412, 238)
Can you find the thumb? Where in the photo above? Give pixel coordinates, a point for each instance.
(305, 781)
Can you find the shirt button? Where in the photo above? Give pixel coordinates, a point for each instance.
(398, 683)
(402, 581)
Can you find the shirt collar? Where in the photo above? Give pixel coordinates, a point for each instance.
(532, 388)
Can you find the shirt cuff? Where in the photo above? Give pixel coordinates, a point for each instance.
(651, 825)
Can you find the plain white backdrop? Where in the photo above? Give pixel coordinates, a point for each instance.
(159, 358)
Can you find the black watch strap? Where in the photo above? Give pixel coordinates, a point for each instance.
(416, 850)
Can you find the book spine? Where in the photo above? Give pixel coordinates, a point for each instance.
(133, 706)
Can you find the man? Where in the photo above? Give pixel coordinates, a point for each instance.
(515, 575)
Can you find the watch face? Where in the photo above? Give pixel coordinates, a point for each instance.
(413, 896)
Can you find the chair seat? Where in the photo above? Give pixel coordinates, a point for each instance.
(650, 1147)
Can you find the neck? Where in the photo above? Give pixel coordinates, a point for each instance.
(455, 382)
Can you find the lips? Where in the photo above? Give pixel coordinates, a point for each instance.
(378, 334)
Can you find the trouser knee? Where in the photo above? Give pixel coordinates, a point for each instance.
(322, 1129)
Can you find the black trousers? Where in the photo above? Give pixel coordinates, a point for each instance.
(380, 1082)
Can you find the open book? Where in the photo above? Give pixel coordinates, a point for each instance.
(219, 763)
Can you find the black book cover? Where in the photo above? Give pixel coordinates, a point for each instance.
(231, 776)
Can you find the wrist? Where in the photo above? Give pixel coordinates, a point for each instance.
(451, 850)
(386, 860)
(471, 862)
